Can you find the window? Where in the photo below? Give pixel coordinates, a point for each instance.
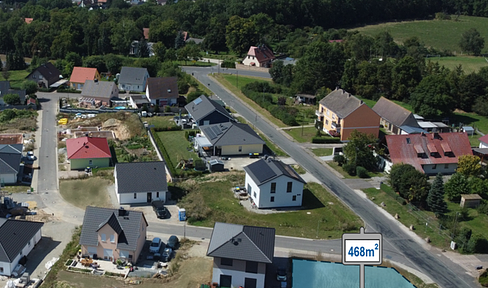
(240, 148)
(1, 269)
(157, 194)
(327, 112)
(112, 238)
(135, 195)
(434, 166)
(90, 162)
(249, 189)
(33, 76)
(250, 282)
(255, 194)
(273, 187)
(40, 77)
(251, 267)
(446, 166)
(225, 280)
(272, 199)
(294, 198)
(289, 186)
(226, 261)
(326, 122)
(103, 237)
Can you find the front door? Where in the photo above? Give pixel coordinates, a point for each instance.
(225, 281)
(250, 283)
(149, 197)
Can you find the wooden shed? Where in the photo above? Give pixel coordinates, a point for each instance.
(470, 200)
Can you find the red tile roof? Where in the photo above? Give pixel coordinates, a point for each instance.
(81, 74)
(484, 139)
(28, 20)
(145, 31)
(87, 147)
(447, 148)
(336, 41)
(262, 53)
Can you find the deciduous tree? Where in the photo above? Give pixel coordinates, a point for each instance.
(241, 33)
(469, 165)
(458, 184)
(472, 41)
(11, 99)
(432, 97)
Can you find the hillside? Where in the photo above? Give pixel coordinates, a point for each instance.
(439, 34)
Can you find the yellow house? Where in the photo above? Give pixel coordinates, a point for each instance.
(343, 113)
(112, 234)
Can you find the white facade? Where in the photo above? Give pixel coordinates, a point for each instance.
(238, 273)
(8, 178)
(433, 169)
(6, 268)
(138, 196)
(264, 197)
(160, 101)
(483, 145)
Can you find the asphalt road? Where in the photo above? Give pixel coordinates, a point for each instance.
(439, 268)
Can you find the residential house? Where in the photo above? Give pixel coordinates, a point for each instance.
(99, 91)
(88, 152)
(271, 184)
(240, 254)
(45, 75)
(260, 56)
(11, 168)
(80, 75)
(112, 234)
(429, 153)
(162, 91)
(28, 20)
(206, 112)
(133, 79)
(17, 239)
(343, 113)
(145, 32)
(5, 89)
(227, 139)
(483, 141)
(395, 118)
(150, 185)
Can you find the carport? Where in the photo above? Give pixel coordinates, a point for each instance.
(203, 146)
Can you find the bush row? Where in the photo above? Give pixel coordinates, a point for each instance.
(228, 64)
(69, 90)
(163, 151)
(321, 140)
(167, 128)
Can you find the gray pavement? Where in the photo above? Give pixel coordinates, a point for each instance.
(412, 252)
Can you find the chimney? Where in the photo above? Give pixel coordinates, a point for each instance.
(122, 211)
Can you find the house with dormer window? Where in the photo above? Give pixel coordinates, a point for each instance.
(240, 254)
(112, 234)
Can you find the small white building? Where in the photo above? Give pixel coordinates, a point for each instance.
(484, 142)
(140, 182)
(17, 239)
(272, 183)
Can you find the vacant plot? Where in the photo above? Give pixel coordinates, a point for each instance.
(16, 77)
(304, 134)
(442, 35)
(161, 121)
(323, 216)
(86, 192)
(177, 146)
(17, 121)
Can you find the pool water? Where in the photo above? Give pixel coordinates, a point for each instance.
(314, 274)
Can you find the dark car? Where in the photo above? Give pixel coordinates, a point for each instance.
(281, 274)
(162, 213)
(167, 254)
(172, 242)
(157, 204)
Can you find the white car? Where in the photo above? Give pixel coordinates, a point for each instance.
(155, 245)
(30, 156)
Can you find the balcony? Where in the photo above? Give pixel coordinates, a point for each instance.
(335, 126)
(319, 114)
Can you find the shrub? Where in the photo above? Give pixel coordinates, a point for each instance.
(168, 128)
(339, 159)
(361, 172)
(350, 168)
(228, 64)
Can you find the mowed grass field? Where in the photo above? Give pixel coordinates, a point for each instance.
(468, 63)
(86, 192)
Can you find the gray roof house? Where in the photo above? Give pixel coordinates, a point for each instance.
(103, 91)
(229, 138)
(162, 91)
(45, 75)
(151, 182)
(133, 79)
(206, 112)
(17, 239)
(111, 234)
(10, 158)
(394, 116)
(240, 254)
(5, 89)
(272, 184)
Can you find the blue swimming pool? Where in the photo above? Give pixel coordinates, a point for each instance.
(313, 274)
(120, 108)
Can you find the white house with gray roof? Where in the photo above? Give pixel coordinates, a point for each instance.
(205, 111)
(229, 138)
(10, 166)
(140, 182)
(110, 234)
(272, 184)
(17, 239)
(133, 79)
(240, 254)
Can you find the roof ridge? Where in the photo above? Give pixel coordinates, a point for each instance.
(3, 250)
(225, 242)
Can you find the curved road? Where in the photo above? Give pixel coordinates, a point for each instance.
(437, 267)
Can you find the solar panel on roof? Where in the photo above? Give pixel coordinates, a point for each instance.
(197, 101)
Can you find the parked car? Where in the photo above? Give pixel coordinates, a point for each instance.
(162, 213)
(155, 245)
(30, 156)
(281, 274)
(167, 254)
(173, 242)
(157, 204)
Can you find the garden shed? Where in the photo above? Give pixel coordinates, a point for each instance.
(470, 200)
(215, 165)
(469, 130)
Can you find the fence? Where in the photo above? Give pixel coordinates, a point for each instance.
(429, 221)
(89, 111)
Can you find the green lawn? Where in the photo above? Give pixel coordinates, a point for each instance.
(194, 63)
(161, 121)
(86, 192)
(16, 77)
(324, 216)
(304, 135)
(442, 35)
(243, 80)
(177, 146)
(322, 151)
(15, 189)
(469, 63)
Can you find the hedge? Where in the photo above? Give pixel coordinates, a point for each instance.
(63, 90)
(228, 64)
(321, 140)
(163, 151)
(167, 128)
